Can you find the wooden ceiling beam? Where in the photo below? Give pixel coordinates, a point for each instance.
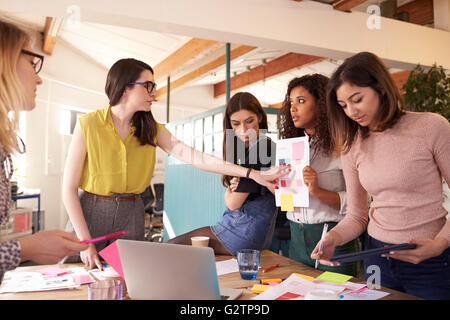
(51, 29)
(191, 51)
(344, 5)
(203, 70)
(282, 64)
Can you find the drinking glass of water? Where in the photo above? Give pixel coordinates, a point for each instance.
(248, 262)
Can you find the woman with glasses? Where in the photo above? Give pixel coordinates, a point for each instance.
(19, 68)
(112, 157)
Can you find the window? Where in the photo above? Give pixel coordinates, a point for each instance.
(69, 118)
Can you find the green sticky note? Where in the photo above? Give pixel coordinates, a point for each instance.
(334, 277)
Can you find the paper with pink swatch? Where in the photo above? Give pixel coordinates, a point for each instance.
(292, 191)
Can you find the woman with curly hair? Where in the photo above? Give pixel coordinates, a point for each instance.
(304, 113)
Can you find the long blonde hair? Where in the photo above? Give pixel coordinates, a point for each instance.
(12, 94)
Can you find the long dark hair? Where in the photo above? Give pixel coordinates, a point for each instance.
(239, 101)
(363, 70)
(316, 85)
(122, 73)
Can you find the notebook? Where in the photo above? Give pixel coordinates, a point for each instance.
(162, 271)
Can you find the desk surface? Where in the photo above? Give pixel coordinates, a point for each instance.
(231, 280)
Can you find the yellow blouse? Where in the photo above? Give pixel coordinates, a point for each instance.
(112, 165)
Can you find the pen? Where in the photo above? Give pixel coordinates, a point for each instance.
(109, 236)
(239, 164)
(270, 268)
(324, 232)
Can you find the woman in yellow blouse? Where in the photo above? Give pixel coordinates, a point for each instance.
(112, 157)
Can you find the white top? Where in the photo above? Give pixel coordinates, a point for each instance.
(330, 177)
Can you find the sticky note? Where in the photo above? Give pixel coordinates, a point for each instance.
(304, 276)
(298, 150)
(53, 271)
(283, 183)
(334, 277)
(111, 255)
(82, 279)
(294, 184)
(258, 288)
(267, 281)
(287, 202)
(293, 162)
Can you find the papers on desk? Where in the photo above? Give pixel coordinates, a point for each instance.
(40, 280)
(296, 287)
(227, 266)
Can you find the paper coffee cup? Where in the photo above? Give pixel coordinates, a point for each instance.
(200, 241)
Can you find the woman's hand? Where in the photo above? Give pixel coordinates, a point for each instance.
(310, 179)
(329, 244)
(269, 178)
(90, 258)
(49, 246)
(425, 249)
(234, 184)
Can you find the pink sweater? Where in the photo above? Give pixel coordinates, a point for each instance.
(402, 168)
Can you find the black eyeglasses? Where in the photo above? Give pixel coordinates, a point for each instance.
(149, 85)
(37, 62)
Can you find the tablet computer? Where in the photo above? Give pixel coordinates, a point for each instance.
(361, 255)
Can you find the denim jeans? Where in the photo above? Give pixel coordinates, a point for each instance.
(429, 279)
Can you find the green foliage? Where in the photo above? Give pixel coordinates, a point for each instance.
(428, 91)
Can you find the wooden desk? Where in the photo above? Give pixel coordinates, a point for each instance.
(232, 280)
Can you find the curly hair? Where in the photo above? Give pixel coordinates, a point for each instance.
(316, 84)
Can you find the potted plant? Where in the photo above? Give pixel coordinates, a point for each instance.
(428, 90)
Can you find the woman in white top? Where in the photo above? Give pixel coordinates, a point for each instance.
(304, 113)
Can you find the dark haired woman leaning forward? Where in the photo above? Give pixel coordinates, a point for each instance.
(249, 220)
(399, 158)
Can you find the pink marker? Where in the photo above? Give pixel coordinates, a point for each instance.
(109, 236)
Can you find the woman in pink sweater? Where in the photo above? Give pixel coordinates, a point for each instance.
(399, 158)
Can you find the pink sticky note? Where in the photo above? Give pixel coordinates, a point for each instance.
(53, 271)
(272, 283)
(111, 256)
(298, 150)
(82, 279)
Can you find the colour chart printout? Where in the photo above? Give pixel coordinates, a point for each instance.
(292, 191)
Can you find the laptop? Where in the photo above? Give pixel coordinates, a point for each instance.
(163, 271)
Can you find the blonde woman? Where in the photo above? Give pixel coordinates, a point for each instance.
(19, 67)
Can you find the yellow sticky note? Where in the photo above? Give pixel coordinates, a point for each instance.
(293, 162)
(287, 202)
(334, 277)
(258, 288)
(304, 276)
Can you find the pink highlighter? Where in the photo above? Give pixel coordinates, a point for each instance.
(107, 237)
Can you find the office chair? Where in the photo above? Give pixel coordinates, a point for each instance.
(281, 235)
(155, 209)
